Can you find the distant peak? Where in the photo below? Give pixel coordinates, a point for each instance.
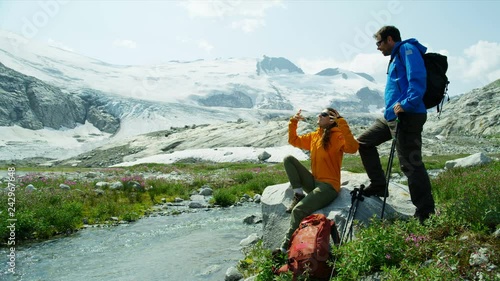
(344, 73)
(271, 65)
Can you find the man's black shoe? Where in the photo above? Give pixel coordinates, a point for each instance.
(296, 199)
(422, 216)
(377, 190)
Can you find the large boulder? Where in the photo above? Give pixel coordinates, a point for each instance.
(276, 198)
(471, 160)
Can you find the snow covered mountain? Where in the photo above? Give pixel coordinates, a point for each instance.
(61, 105)
(268, 83)
(148, 98)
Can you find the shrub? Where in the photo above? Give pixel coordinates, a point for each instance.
(466, 215)
(224, 197)
(470, 195)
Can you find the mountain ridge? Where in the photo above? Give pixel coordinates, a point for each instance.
(91, 103)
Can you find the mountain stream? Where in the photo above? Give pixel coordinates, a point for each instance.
(191, 246)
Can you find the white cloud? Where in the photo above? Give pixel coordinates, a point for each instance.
(222, 8)
(482, 59)
(59, 45)
(248, 25)
(124, 43)
(250, 14)
(209, 9)
(205, 45)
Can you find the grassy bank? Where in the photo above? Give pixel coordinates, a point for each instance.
(467, 201)
(468, 212)
(51, 210)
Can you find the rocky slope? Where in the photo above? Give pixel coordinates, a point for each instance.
(32, 104)
(476, 113)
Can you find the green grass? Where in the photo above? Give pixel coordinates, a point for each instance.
(51, 211)
(354, 164)
(467, 205)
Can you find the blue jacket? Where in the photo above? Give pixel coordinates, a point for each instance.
(406, 78)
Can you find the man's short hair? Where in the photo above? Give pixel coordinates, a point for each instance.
(387, 31)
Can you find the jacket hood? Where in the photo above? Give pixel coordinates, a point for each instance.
(411, 41)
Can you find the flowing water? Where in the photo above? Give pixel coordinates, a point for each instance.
(200, 245)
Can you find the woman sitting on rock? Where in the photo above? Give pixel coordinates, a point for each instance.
(327, 146)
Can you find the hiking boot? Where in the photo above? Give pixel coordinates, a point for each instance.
(296, 199)
(377, 190)
(422, 216)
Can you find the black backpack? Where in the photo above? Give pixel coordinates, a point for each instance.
(436, 66)
(437, 82)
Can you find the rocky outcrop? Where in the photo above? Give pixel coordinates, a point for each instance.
(473, 114)
(367, 100)
(53, 108)
(235, 100)
(331, 72)
(275, 199)
(337, 71)
(270, 65)
(103, 120)
(32, 104)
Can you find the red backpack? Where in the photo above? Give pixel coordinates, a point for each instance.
(310, 247)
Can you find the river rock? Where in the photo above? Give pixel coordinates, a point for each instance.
(199, 198)
(232, 274)
(250, 240)
(206, 191)
(277, 198)
(252, 219)
(197, 205)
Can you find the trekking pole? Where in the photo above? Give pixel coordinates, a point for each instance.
(389, 167)
(354, 193)
(357, 195)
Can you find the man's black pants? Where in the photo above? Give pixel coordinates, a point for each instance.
(409, 150)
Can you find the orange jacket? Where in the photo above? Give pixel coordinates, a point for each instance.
(325, 164)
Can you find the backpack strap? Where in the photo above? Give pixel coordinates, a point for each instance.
(334, 233)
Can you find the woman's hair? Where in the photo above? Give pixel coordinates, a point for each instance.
(325, 140)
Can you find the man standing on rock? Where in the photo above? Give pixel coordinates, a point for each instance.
(406, 84)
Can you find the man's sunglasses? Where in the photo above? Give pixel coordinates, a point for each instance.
(325, 114)
(379, 43)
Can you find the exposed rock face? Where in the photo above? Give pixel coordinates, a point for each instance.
(103, 120)
(337, 71)
(234, 100)
(331, 72)
(32, 104)
(269, 65)
(474, 113)
(368, 100)
(53, 108)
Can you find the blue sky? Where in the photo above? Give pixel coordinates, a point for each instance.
(312, 34)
